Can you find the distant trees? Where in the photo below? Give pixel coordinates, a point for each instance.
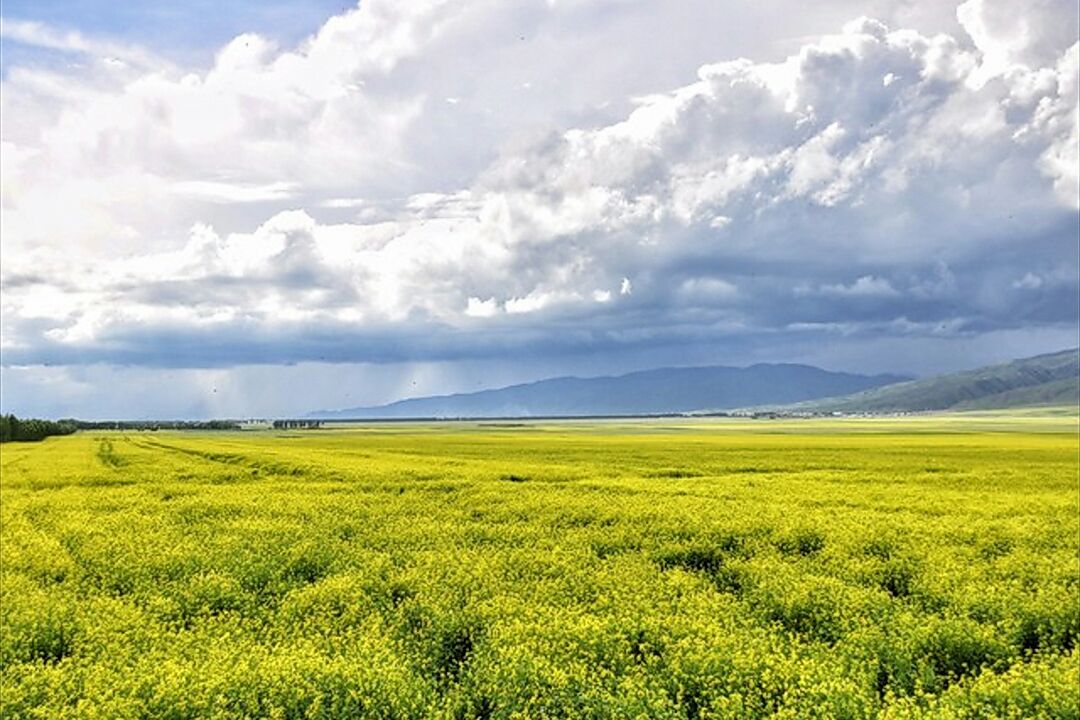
(13, 429)
(157, 424)
(297, 424)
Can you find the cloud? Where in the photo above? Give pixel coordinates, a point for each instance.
(41, 35)
(223, 192)
(876, 181)
(866, 286)
(258, 126)
(1011, 33)
(481, 308)
(1030, 281)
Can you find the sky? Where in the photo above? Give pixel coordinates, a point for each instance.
(256, 209)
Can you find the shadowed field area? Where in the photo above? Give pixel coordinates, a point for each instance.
(857, 568)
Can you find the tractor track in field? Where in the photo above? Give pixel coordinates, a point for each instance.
(108, 456)
(263, 467)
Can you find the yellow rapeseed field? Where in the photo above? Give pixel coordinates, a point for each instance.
(879, 568)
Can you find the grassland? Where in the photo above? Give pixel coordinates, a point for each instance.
(908, 568)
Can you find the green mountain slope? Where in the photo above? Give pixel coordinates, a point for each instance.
(1052, 379)
(1058, 392)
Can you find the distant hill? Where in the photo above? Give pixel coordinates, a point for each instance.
(649, 392)
(1052, 379)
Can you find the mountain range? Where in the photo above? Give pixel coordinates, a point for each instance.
(1051, 379)
(648, 392)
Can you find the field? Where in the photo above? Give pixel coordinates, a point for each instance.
(907, 568)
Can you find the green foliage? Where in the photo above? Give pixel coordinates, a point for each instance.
(894, 569)
(13, 429)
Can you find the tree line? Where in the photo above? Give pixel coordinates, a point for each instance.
(29, 429)
(13, 429)
(157, 424)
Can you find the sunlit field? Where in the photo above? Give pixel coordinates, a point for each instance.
(862, 568)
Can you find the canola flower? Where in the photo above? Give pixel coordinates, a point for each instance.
(920, 568)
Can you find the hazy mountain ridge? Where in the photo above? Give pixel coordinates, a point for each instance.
(664, 390)
(1051, 379)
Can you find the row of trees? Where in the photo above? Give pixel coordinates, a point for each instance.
(32, 429)
(297, 424)
(157, 425)
(13, 428)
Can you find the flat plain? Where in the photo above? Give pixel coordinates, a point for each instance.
(920, 567)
